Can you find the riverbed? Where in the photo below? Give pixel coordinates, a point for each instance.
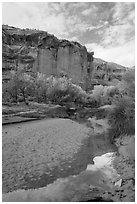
(38, 153)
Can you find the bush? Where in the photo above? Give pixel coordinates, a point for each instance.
(40, 84)
(127, 85)
(121, 123)
(61, 90)
(10, 92)
(19, 87)
(97, 94)
(5, 94)
(122, 118)
(103, 95)
(57, 89)
(108, 93)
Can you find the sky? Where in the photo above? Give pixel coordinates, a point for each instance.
(107, 28)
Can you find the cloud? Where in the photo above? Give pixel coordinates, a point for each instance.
(117, 34)
(74, 38)
(98, 26)
(123, 55)
(35, 15)
(55, 24)
(77, 5)
(122, 10)
(52, 17)
(88, 11)
(57, 18)
(122, 29)
(107, 26)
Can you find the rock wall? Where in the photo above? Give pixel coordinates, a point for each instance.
(38, 51)
(64, 57)
(51, 56)
(107, 71)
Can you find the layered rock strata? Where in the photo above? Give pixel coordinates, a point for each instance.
(38, 51)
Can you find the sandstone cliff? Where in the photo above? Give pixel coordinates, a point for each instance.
(107, 71)
(38, 51)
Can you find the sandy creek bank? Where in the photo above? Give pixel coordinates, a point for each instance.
(39, 153)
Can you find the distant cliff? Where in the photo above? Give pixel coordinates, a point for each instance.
(107, 71)
(38, 51)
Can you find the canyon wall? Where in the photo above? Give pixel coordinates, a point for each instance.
(39, 51)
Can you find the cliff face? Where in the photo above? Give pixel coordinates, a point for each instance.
(39, 51)
(107, 71)
(64, 57)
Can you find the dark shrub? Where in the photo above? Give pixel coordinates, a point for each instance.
(122, 118)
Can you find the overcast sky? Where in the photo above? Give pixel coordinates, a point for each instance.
(105, 28)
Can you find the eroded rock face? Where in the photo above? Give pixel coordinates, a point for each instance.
(42, 52)
(61, 56)
(107, 71)
(72, 60)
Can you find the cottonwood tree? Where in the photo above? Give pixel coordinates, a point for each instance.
(20, 84)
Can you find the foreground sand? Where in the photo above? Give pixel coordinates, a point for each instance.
(37, 153)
